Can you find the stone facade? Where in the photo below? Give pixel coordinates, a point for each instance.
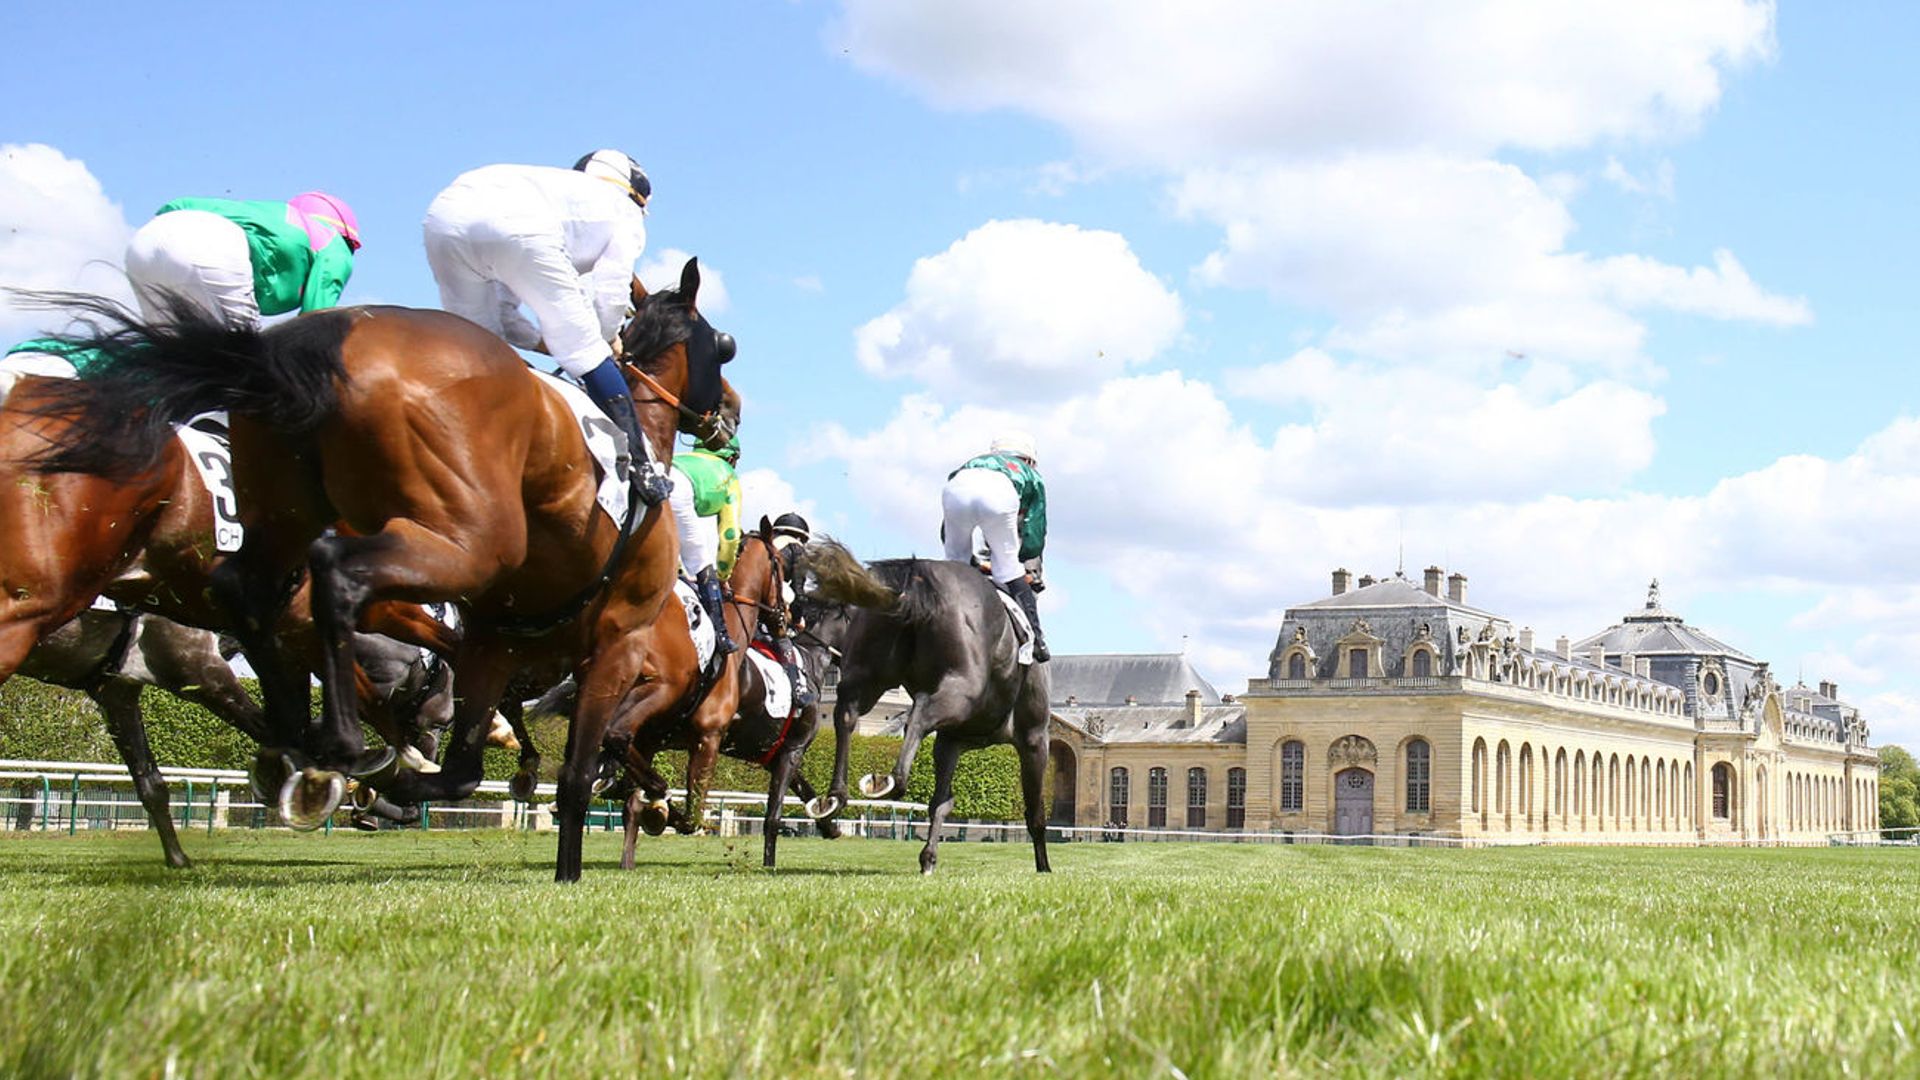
(1390, 707)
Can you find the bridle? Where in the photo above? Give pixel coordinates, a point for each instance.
(691, 421)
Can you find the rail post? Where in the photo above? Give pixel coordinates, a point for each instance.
(426, 812)
(213, 807)
(73, 807)
(46, 800)
(186, 812)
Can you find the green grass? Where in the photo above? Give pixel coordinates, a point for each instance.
(451, 954)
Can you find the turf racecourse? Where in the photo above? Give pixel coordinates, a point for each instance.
(451, 954)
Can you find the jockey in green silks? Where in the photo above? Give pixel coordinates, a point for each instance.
(706, 486)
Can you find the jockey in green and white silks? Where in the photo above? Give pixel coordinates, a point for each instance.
(705, 487)
(237, 261)
(1000, 494)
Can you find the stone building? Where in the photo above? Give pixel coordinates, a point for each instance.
(1395, 707)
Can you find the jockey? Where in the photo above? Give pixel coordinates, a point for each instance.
(790, 532)
(237, 261)
(705, 486)
(1000, 493)
(563, 243)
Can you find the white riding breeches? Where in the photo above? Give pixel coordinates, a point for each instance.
(485, 274)
(984, 500)
(198, 256)
(699, 537)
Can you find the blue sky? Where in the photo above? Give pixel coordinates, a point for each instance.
(1256, 281)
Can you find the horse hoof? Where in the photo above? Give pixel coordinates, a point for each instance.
(829, 829)
(824, 806)
(412, 760)
(521, 786)
(653, 817)
(372, 763)
(270, 771)
(500, 734)
(610, 769)
(877, 785)
(362, 797)
(365, 823)
(309, 797)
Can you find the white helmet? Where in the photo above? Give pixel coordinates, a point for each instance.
(1018, 443)
(614, 166)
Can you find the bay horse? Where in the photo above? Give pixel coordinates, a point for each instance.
(409, 455)
(732, 717)
(939, 630)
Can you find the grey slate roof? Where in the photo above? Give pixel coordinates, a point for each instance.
(1111, 678)
(1158, 723)
(1393, 592)
(1653, 630)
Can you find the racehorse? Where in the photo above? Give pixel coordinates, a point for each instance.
(732, 717)
(110, 655)
(408, 455)
(939, 630)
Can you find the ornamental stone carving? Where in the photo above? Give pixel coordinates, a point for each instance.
(1352, 750)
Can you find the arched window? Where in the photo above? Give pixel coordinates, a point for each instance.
(1236, 798)
(1627, 793)
(1599, 809)
(1660, 794)
(1419, 774)
(1156, 798)
(1422, 663)
(1580, 783)
(1196, 798)
(1480, 778)
(1117, 796)
(1297, 666)
(1356, 663)
(1502, 779)
(1723, 791)
(1613, 789)
(1560, 806)
(1693, 795)
(1293, 778)
(1646, 790)
(1526, 783)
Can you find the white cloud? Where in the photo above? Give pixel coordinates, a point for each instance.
(1223, 80)
(1425, 257)
(765, 493)
(1022, 303)
(661, 270)
(1658, 183)
(58, 230)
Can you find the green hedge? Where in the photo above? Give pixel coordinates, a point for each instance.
(48, 723)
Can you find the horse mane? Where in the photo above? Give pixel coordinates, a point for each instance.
(155, 374)
(658, 324)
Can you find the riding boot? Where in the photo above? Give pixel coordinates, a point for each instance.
(707, 585)
(789, 659)
(609, 391)
(1022, 592)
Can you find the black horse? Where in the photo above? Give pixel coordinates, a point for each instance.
(939, 630)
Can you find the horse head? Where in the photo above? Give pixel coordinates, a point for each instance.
(672, 354)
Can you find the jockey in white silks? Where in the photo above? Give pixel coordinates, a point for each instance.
(563, 243)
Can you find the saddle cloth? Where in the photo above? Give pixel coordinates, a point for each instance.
(207, 452)
(779, 690)
(699, 626)
(1022, 629)
(604, 443)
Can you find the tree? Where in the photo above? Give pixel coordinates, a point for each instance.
(1899, 789)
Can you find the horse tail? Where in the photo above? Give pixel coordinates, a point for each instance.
(154, 375)
(840, 577)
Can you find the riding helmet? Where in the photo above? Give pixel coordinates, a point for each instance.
(1017, 443)
(793, 525)
(616, 167)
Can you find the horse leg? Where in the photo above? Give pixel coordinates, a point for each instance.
(844, 719)
(527, 777)
(187, 663)
(254, 585)
(119, 700)
(607, 678)
(481, 671)
(1033, 778)
(654, 814)
(925, 715)
(946, 755)
(700, 762)
(630, 819)
(828, 828)
(784, 768)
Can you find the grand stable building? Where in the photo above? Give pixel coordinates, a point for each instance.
(1395, 707)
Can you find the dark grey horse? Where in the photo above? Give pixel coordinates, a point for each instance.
(110, 655)
(938, 630)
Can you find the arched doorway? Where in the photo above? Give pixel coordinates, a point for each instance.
(1064, 773)
(1353, 802)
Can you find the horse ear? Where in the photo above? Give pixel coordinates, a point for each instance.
(637, 292)
(690, 281)
(766, 527)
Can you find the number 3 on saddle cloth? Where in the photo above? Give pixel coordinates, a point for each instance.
(760, 745)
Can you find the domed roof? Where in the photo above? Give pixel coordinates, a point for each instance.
(1653, 630)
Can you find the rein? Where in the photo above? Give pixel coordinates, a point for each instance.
(663, 394)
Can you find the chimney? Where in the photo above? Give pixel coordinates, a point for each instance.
(1643, 667)
(1526, 639)
(1341, 579)
(1073, 699)
(1433, 576)
(1829, 690)
(1563, 647)
(1366, 580)
(1457, 588)
(1131, 700)
(1193, 708)
(1597, 653)
(1628, 663)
